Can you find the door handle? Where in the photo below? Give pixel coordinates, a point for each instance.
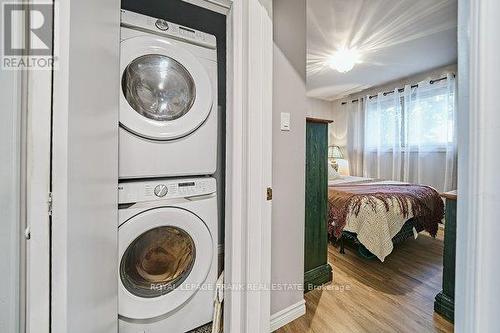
(269, 193)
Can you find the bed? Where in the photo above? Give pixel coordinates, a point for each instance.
(376, 214)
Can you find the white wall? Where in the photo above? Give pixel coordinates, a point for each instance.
(322, 109)
(338, 129)
(319, 108)
(289, 95)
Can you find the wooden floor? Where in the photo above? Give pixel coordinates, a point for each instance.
(371, 296)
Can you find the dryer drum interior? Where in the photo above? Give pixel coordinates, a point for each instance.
(157, 261)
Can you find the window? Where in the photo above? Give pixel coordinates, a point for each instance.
(417, 118)
(383, 122)
(430, 118)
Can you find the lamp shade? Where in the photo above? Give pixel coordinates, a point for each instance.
(334, 152)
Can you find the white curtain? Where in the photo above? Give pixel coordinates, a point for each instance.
(410, 135)
(355, 137)
(383, 145)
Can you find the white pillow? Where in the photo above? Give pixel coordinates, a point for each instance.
(332, 174)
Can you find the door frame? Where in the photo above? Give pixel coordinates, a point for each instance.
(38, 197)
(248, 167)
(38, 113)
(477, 296)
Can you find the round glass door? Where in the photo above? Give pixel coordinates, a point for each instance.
(166, 92)
(158, 87)
(165, 255)
(157, 261)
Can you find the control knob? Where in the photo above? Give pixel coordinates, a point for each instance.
(161, 24)
(161, 190)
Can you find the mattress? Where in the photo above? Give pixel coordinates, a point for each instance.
(346, 179)
(355, 179)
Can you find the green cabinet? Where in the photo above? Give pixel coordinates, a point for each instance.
(317, 271)
(444, 303)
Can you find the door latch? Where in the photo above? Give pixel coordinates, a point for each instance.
(269, 194)
(49, 204)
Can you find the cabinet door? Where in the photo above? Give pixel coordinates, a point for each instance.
(316, 195)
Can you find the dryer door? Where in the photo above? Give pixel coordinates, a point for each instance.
(165, 91)
(165, 256)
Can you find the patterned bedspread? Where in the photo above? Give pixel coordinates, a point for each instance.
(377, 210)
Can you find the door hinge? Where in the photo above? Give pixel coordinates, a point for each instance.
(27, 233)
(269, 193)
(49, 202)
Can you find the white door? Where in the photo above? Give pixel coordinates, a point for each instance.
(166, 92)
(161, 262)
(84, 247)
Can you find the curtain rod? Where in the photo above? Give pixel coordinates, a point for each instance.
(399, 90)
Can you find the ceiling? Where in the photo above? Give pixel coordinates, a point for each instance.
(395, 38)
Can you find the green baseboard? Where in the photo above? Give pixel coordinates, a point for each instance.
(445, 306)
(317, 277)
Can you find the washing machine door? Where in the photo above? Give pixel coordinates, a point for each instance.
(165, 256)
(165, 91)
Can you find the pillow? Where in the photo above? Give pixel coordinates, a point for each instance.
(332, 174)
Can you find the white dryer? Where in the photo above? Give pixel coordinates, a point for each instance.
(167, 254)
(168, 99)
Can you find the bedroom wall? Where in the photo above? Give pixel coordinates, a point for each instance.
(338, 129)
(319, 108)
(289, 95)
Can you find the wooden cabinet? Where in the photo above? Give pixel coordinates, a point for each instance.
(445, 300)
(317, 271)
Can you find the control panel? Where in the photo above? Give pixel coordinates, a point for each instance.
(159, 26)
(161, 189)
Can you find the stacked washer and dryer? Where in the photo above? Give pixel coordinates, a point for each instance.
(167, 200)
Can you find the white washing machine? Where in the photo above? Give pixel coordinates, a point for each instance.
(167, 254)
(168, 99)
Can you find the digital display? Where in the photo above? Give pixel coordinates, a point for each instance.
(186, 184)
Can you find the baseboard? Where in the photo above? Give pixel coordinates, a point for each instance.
(445, 306)
(317, 277)
(287, 315)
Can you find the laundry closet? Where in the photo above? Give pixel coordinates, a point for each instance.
(126, 159)
(171, 165)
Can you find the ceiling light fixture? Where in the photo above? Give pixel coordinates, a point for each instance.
(344, 59)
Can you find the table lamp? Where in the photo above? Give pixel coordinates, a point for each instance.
(334, 153)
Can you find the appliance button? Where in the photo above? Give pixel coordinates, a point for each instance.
(161, 24)
(161, 190)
